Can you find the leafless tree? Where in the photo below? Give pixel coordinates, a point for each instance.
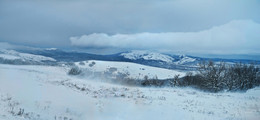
(212, 75)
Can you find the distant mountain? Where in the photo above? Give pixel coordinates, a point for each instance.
(72, 56)
(14, 57)
(160, 59)
(155, 59)
(146, 55)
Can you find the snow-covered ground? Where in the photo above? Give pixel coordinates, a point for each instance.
(136, 71)
(147, 55)
(184, 59)
(12, 55)
(154, 56)
(48, 93)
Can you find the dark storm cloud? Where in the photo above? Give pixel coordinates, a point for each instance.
(53, 22)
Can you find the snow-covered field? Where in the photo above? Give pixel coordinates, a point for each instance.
(135, 71)
(48, 93)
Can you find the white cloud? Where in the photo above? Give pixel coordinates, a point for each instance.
(239, 36)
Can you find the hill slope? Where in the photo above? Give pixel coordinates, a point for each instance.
(47, 92)
(133, 70)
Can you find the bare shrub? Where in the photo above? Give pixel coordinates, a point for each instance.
(216, 77)
(74, 71)
(92, 64)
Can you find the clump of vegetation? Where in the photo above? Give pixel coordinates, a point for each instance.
(152, 81)
(74, 71)
(214, 77)
(92, 64)
(218, 77)
(210, 77)
(81, 63)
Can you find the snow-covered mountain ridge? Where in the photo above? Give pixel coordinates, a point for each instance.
(14, 55)
(160, 57)
(185, 59)
(146, 55)
(155, 59)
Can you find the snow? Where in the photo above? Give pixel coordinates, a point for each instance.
(51, 48)
(12, 54)
(185, 59)
(8, 57)
(47, 92)
(136, 71)
(146, 55)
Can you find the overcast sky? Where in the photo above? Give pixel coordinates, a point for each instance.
(203, 26)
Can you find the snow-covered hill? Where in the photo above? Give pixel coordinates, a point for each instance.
(136, 71)
(146, 55)
(12, 54)
(181, 62)
(31, 92)
(136, 55)
(183, 59)
(51, 49)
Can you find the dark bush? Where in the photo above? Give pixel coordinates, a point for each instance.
(217, 77)
(81, 63)
(74, 71)
(92, 64)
